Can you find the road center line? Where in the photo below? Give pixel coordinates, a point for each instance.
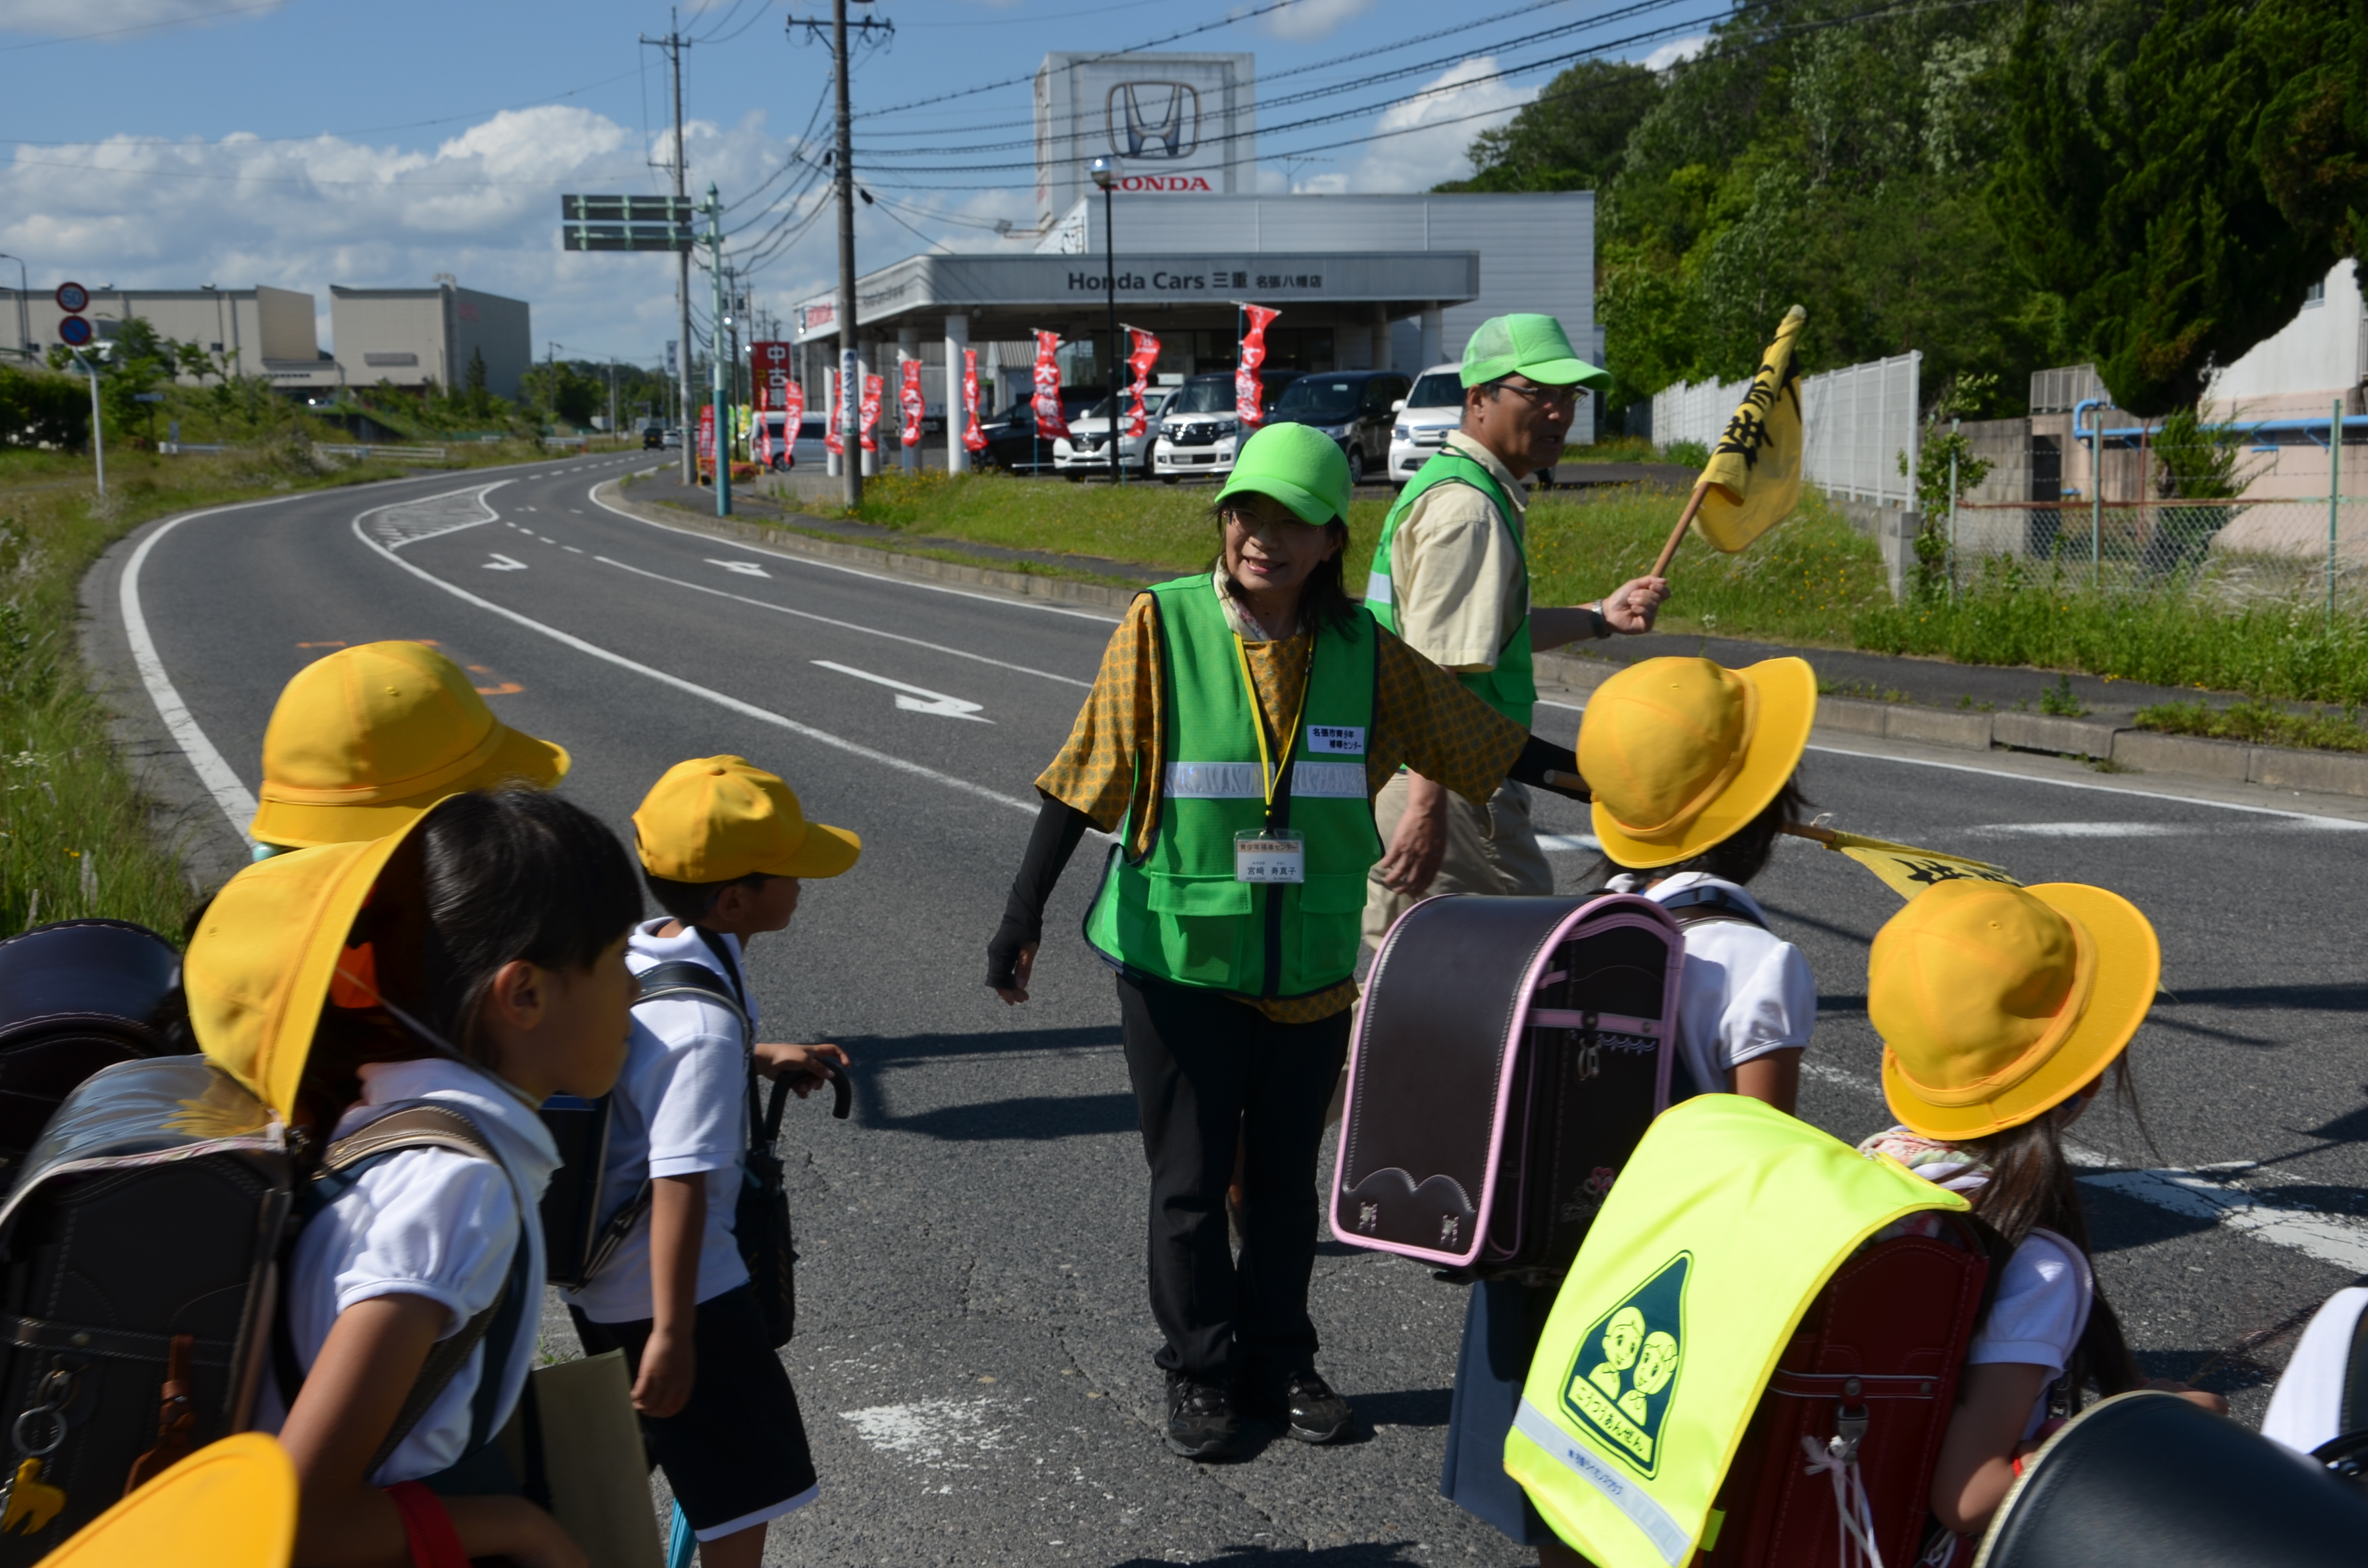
(843, 625)
(747, 709)
(2315, 818)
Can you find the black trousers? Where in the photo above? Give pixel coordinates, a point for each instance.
(1209, 1070)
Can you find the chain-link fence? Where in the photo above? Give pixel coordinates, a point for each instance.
(2232, 551)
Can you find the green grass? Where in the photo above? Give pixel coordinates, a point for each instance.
(2262, 723)
(73, 832)
(1614, 449)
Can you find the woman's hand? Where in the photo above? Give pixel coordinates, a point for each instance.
(808, 1067)
(1023, 964)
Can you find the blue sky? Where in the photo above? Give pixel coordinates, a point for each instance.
(303, 142)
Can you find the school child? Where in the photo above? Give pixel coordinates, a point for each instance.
(467, 967)
(1693, 768)
(2000, 1009)
(723, 848)
(363, 741)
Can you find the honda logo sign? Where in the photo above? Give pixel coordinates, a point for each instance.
(1154, 119)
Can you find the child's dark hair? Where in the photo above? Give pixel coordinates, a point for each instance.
(690, 902)
(1324, 601)
(1742, 854)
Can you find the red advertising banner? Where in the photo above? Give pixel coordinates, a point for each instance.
(871, 412)
(1142, 353)
(974, 439)
(910, 404)
(760, 439)
(707, 437)
(832, 441)
(768, 372)
(1249, 407)
(1050, 422)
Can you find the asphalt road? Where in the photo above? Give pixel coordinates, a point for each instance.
(974, 1355)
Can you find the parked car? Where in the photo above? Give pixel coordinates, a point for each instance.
(1434, 407)
(1198, 431)
(1086, 451)
(674, 438)
(1354, 407)
(654, 439)
(1012, 443)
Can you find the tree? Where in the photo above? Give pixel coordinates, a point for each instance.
(478, 401)
(1571, 137)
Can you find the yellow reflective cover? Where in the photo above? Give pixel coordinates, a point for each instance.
(230, 1505)
(1753, 479)
(1723, 1226)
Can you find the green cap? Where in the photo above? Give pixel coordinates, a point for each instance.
(1299, 466)
(1535, 346)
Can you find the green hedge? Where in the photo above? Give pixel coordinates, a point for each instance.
(39, 408)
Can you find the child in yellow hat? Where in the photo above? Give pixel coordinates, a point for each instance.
(725, 848)
(364, 740)
(2000, 1009)
(472, 962)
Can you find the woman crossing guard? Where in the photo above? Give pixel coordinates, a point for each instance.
(1241, 723)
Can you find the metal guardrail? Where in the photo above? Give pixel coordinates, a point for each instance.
(436, 454)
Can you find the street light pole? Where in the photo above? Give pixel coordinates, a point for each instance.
(716, 363)
(98, 429)
(850, 379)
(1105, 172)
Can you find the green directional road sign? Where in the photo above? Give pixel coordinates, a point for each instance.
(673, 209)
(625, 237)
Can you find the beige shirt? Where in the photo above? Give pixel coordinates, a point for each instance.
(1455, 575)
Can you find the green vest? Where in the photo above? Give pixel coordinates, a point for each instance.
(1726, 1223)
(1178, 913)
(1512, 689)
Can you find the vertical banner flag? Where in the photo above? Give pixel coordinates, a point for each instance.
(760, 438)
(1142, 353)
(974, 439)
(871, 385)
(707, 437)
(908, 398)
(832, 441)
(1249, 407)
(1051, 424)
(1753, 480)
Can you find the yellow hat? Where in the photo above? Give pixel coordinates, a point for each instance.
(715, 819)
(230, 1505)
(362, 741)
(259, 966)
(1681, 753)
(1997, 1002)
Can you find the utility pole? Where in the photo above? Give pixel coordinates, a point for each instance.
(717, 365)
(850, 377)
(673, 43)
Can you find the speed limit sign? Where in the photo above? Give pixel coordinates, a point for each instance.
(73, 298)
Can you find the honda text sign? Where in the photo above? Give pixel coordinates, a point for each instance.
(1175, 124)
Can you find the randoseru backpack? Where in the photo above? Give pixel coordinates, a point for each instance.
(1508, 1056)
(136, 1254)
(75, 995)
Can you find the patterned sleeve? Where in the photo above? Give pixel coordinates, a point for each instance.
(1104, 766)
(1425, 719)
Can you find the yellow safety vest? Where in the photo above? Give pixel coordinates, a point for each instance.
(1727, 1221)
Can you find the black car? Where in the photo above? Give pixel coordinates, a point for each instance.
(652, 438)
(1012, 443)
(1354, 407)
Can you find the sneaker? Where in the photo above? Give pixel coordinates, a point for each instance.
(1311, 1411)
(1201, 1424)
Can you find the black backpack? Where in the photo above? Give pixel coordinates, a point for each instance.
(75, 995)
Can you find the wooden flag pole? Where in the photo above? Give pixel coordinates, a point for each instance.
(1678, 534)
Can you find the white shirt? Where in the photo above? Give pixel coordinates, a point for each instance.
(2039, 1313)
(428, 1222)
(1744, 992)
(680, 1107)
(2306, 1407)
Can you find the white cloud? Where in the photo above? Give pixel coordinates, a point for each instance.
(1438, 131)
(1670, 53)
(97, 18)
(1304, 21)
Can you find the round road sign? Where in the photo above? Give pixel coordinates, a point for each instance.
(73, 298)
(74, 330)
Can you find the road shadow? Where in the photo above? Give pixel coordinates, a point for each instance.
(1363, 1554)
(1036, 1118)
(1407, 1407)
(2117, 1223)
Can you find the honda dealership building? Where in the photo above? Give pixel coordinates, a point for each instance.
(1361, 281)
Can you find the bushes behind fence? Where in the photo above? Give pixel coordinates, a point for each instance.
(39, 408)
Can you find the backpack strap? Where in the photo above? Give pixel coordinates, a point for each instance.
(1706, 905)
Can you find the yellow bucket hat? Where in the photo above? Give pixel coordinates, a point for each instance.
(230, 1505)
(1997, 1002)
(361, 742)
(1681, 753)
(715, 819)
(261, 963)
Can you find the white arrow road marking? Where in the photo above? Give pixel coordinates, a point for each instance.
(501, 562)
(921, 698)
(746, 568)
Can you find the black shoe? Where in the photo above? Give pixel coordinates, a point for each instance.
(1201, 1424)
(1312, 1412)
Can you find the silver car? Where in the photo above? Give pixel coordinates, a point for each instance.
(1428, 413)
(1085, 450)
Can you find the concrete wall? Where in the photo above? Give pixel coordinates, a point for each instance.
(502, 329)
(261, 331)
(2316, 357)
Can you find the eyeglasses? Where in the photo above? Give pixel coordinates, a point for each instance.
(1535, 395)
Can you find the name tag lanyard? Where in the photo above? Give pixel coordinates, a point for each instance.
(1275, 855)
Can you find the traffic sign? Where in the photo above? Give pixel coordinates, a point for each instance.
(626, 236)
(625, 209)
(74, 331)
(74, 299)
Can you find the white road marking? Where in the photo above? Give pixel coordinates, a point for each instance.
(501, 562)
(213, 772)
(1567, 706)
(1567, 843)
(748, 710)
(746, 568)
(873, 576)
(2085, 829)
(2313, 818)
(450, 511)
(917, 698)
(845, 625)
(924, 1430)
(570, 550)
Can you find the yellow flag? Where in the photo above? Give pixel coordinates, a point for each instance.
(1905, 869)
(1753, 478)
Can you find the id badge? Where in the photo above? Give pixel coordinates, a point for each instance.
(1280, 857)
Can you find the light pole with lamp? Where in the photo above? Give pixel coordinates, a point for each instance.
(24, 328)
(1105, 172)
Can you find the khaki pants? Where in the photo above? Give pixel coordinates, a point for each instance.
(1490, 849)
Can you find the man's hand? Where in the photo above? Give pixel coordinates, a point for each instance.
(1419, 841)
(808, 1067)
(668, 1365)
(1630, 608)
(1022, 966)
